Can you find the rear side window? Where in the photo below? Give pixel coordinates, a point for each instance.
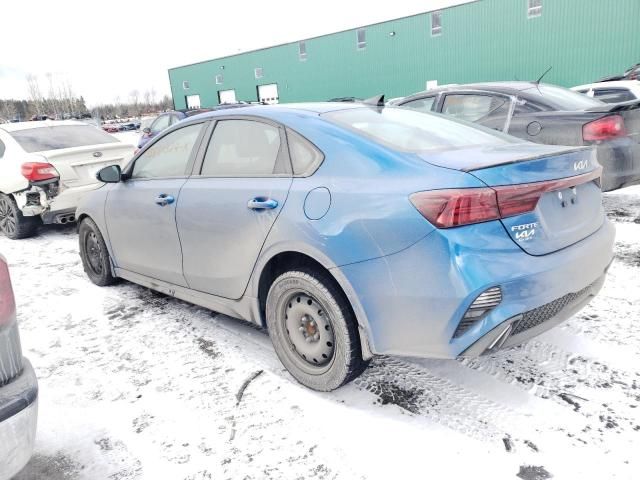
(305, 157)
(169, 156)
(613, 95)
(473, 108)
(242, 148)
(410, 131)
(421, 105)
(42, 139)
(160, 123)
(563, 98)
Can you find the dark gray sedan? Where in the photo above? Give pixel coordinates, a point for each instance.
(18, 388)
(550, 115)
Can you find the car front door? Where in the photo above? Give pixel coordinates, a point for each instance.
(228, 206)
(141, 210)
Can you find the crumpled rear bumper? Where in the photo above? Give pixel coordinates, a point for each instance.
(18, 420)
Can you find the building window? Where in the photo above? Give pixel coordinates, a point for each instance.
(361, 36)
(436, 24)
(219, 79)
(302, 50)
(534, 8)
(185, 85)
(257, 72)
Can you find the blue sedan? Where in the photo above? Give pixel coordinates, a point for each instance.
(350, 231)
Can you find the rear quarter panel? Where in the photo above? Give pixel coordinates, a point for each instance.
(370, 214)
(11, 180)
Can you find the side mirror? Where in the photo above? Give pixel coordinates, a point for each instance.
(146, 130)
(110, 174)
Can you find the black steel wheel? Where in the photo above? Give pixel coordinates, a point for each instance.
(94, 254)
(313, 330)
(13, 223)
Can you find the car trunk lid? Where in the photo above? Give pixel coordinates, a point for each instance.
(78, 165)
(549, 197)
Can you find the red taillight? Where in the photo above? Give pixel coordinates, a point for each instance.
(464, 206)
(452, 208)
(7, 302)
(604, 128)
(38, 171)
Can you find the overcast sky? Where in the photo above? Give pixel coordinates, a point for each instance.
(108, 48)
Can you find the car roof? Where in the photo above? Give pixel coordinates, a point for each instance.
(310, 108)
(14, 127)
(500, 87)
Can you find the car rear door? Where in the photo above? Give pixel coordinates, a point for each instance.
(424, 104)
(228, 206)
(492, 110)
(140, 211)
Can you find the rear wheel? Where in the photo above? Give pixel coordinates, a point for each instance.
(313, 330)
(13, 223)
(95, 256)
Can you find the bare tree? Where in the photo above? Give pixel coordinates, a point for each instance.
(33, 87)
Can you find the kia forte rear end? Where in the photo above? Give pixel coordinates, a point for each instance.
(520, 247)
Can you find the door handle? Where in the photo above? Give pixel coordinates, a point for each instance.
(163, 199)
(262, 203)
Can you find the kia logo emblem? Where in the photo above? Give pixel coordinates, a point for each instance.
(97, 154)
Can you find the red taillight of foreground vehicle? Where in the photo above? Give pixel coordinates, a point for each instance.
(39, 171)
(465, 206)
(604, 128)
(7, 302)
(461, 206)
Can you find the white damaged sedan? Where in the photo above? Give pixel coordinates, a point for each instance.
(46, 168)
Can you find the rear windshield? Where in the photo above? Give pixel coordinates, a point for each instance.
(564, 99)
(412, 131)
(46, 138)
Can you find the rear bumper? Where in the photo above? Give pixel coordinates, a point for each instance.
(18, 420)
(620, 160)
(411, 303)
(69, 198)
(530, 324)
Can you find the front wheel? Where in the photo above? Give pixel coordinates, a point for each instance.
(313, 330)
(13, 223)
(94, 254)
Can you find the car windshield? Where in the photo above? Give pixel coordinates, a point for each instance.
(408, 130)
(45, 138)
(564, 99)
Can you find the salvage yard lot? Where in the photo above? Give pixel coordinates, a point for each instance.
(134, 384)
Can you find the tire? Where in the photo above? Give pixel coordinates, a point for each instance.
(313, 330)
(13, 224)
(94, 254)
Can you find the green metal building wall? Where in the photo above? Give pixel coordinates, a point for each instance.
(486, 40)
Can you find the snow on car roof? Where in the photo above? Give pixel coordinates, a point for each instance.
(14, 127)
(630, 84)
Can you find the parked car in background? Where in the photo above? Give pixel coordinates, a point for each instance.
(111, 127)
(547, 114)
(167, 119)
(351, 230)
(18, 387)
(129, 127)
(611, 92)
(345, 99)
(46, 167)
(632, 73)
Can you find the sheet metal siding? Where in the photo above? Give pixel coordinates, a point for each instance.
(486, 40)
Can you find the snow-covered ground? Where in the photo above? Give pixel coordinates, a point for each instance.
(134, 384)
